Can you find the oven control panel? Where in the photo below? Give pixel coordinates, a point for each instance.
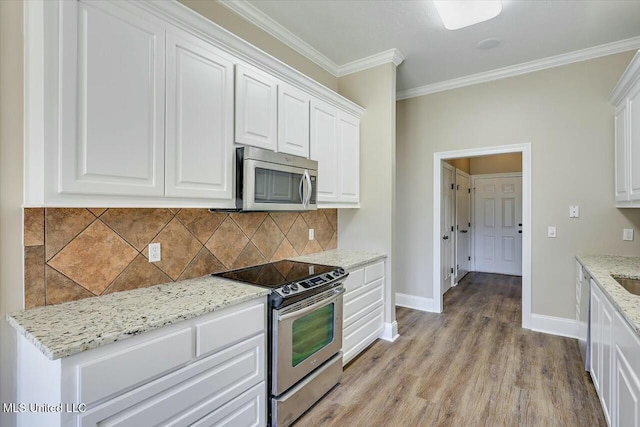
(303, 285)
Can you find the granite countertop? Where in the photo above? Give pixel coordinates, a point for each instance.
(344, 258)
(601, 267)
(65, 329)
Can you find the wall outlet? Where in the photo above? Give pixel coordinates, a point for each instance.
(311, 234)
(574, 211)
(627, 234)
(155, 253)
(551, 232)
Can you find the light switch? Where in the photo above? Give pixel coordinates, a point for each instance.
(551, 232)
(574, 211)
(627, 234)
(311, 234)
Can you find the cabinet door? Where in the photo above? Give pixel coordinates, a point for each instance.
(349, 158)
(111, 100)
(625, 408)
(293, 121)
(256, 108)
(324, 148)
(634, 142)
(594, 349)
(621, 149)
(606, 355)
(199, 119)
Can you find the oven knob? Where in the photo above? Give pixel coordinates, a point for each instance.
(293, 286)
(285, 289)
(341, 271)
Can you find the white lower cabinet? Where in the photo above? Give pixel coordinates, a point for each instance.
(615, 362)
(363, 309)
(194, 372)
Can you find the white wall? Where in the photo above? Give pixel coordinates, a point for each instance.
(370, 228)
(564, 113)
(11, 145)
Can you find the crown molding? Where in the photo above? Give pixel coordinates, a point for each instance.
(527, 67)
(629, 78)
(264, 22)
(391, 55)
(267, 24)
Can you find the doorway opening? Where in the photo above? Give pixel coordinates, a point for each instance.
(488, 229)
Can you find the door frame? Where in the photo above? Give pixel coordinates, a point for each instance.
(453, 250)
(473, 206)
(470, 178)
(438, 157)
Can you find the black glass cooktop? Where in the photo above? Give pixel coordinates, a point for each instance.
(276, 274)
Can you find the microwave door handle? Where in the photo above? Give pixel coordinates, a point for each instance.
(309, 187)
(301, 189)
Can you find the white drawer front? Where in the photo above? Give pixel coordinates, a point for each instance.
(373, 272)
(362, 302)
(248, 409)
(229, 328)
(362, 333)
(354, 280)
(108, 375)
(185, 396)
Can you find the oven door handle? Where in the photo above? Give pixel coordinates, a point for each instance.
(312, 307)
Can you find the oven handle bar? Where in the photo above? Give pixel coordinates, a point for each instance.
(333, 296)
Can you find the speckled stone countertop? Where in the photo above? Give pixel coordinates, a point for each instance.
(601, 267)
(347, 259)
(65, 329)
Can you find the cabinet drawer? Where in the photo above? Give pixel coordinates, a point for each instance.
(362, 302)
(187, 395)
(248, 409)
(361, 333)
(103, 377)
(627, 343)
(373, 272)
(229, 328)
(354, 280)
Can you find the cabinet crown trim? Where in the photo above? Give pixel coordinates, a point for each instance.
(630, 76)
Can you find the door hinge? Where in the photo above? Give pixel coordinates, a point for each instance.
(469, 224)
(457, 227)
(469, 258)
(452, 269)
(452, 186)
(469, 191)
(457, 187)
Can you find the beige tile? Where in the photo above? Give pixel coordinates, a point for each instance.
(248, 221)
(94, 258)
(332, 217)
(267, 238)
(61, 225)
(62, 289)
(201, 222)
(249, 256)
(284, 251)
(323, 230)
(204, 263)
(227, 242)
(34, 295)
(137, 226)
(333, 243)
(178, 247)
(284, 220)
(298, 235)
(312, 217)
(97, 211)
(312, 247)
(174, 210)
(33, 226)
(139, 274)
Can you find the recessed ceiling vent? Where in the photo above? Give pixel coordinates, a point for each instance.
(489, 43)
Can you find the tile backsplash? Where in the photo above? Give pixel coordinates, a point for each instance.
(75, 253)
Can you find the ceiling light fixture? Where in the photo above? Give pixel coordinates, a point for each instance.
(456, 14)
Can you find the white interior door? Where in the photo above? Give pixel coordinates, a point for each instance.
(447, 221)
(463, 224)
(498, 225)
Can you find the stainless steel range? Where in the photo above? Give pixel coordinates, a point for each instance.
(305, 332)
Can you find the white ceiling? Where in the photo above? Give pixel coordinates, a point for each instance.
(342, 31)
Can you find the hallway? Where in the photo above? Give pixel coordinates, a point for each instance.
(472, 365)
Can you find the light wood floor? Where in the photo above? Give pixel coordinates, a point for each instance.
(473, 365)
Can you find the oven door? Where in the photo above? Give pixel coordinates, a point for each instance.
(274, 187)
(305, 335)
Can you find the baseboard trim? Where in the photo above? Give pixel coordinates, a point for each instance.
(390, 332)
(415, 302)
(554, 325)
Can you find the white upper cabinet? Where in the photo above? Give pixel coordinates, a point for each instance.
(324, 149)
(335, 144)
(626, 99)
(293, 121)
(256, 108)
(111, 101)
(199, 143)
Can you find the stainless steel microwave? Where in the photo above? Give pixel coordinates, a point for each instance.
(268, 181)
